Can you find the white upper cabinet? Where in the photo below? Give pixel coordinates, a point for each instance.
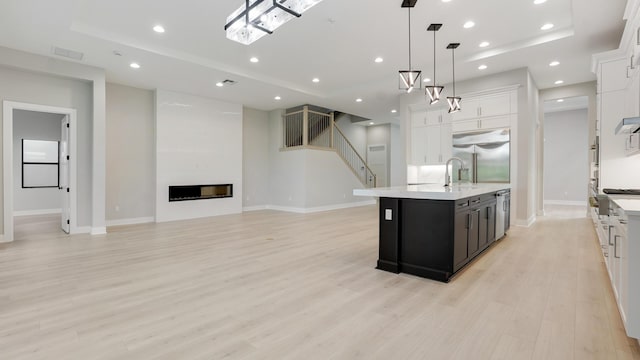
(485, 106)
(614, 75)
(418, 118)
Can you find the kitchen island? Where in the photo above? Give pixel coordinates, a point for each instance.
(433, 231)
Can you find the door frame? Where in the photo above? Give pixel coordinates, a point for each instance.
(7, 151)
(386, 161)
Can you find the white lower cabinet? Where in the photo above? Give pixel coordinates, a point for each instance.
(621, 251)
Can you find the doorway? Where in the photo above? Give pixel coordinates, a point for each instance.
(41, 169)
(377, 161)
(566, 153)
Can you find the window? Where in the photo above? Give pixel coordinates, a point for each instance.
(40, 164)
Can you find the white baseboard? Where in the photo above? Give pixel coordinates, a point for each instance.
(100, 230)
(321, 208)
(132, 221)
(37, 212)
(2, 240)
(565, 202)
(255, 208)
(526, 223)
(82, 230)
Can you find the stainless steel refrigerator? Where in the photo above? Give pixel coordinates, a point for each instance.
(486, 154)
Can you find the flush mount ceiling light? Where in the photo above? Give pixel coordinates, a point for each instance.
(394, 111)
(426, 80)
(554, 63)
(257, 18)
(254, 60)
(559, 82)
(277, 98)
(358, 100)
(378, 60)
(560, 100)
(482, 67)
(538, 2)
(316, 80)
(484, 44)
(158, 29)
(409, 79)
(454, 101)
(134, 65)
(433, 92)
(469, 24)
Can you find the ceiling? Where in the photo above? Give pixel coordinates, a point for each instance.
(335, 41)
(566, 104)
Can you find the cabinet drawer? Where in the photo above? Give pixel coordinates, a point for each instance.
(462, 204)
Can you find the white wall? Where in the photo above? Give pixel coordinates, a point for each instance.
(566, 146)
(32, 125)
(255, 158)
(307, 180)
(356, 134)
(22, 86)
(198, 141)
(130, 192)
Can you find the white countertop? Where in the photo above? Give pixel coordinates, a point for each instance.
(432, 191)
(629, 203)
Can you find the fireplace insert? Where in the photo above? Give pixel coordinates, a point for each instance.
(199, 192)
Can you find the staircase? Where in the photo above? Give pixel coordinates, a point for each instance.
(308, 129)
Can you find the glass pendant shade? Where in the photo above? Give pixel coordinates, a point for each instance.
(454, 104)
(257, 18)
(410, 80)
(433, 93)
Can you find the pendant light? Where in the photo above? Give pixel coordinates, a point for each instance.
(410, 79)
(433, 92)
(454, 101)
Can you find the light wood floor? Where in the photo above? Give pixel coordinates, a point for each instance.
(273, 285)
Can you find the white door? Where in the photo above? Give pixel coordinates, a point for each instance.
(377, 161)
(64, 175)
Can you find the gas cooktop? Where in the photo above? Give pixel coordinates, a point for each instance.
(622, 191)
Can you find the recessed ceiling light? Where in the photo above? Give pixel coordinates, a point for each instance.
(316, 80)
(135, 65)
(379, 59)
(219, 84)
(254, 59)
(358, 100)
(277, 98)
(554, 63)
(547, 26)
(158, 29)
(426, 80)
(560, 100)
(446, 0)
(484, 44)
(482, 67)
(538, 2)
(469, 24)
(394, 111)
(559, 82)
(371, 123)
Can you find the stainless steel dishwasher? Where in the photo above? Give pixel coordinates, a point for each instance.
(501, 213)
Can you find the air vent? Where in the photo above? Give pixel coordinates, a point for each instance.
(229, 82)
(70, 54)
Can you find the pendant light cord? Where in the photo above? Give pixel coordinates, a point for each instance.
(409, 39)
(434, 59)
(453, 56)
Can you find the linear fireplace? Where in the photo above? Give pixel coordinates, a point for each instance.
(200, 192)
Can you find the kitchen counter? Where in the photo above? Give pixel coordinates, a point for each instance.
(433, 231)
(629, 203)
(432, 191)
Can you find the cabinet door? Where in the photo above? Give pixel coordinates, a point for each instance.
(460, 239)
(496, 122)
(507, 217)
(494, 105)
(491, 222)
(469, 109)
(419, 118)
(434, 117)
(419, 145)
(474, 231)
(614, 75)
(465, 126)
(483, 227)
(433, 145)
(446, 142)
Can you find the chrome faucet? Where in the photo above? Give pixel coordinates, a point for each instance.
(447, 177)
